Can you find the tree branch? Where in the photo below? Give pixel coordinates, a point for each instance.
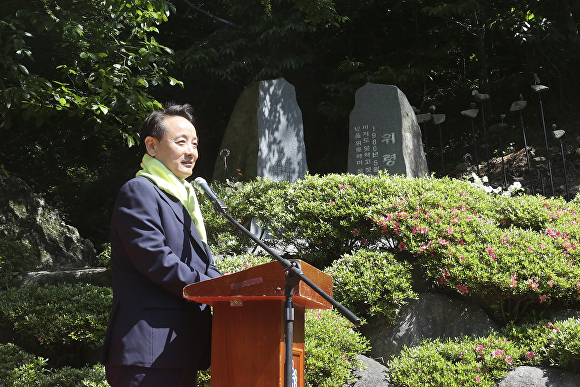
(210, 15)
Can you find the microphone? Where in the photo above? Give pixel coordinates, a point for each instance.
(204, 188)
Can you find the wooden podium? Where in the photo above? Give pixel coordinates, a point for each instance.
(248, 347)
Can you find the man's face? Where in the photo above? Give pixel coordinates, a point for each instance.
(177, 150)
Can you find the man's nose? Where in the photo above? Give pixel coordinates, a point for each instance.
(191, 148)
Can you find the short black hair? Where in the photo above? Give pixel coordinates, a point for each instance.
(153, 125)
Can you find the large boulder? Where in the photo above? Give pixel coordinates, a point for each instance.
(26, 217)
(372, 374)
(526, 376)
(430, 316)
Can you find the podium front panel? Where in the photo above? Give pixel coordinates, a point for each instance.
(248, 344)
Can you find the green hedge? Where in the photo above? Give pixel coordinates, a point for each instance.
(58, 322)
(22, 369)
(371, 283)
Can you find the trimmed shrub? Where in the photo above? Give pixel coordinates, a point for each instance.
(552, 343)
(244, 204)
(466, 361)
(20, 368)
(331, 349)
(371, 283)
(60, 321)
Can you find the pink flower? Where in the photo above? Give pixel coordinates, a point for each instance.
(551, 283)
(443, 241)
(356, 231)
(415, 229)
(542, 298)
(530, 355)
(449, 231)
(497, 353)
(508, 359)
(532, 284)
(514, 281)
(332, 203)
(478, 379)
(463, 289)
(479, 348)
(491, 253)
(402, 246)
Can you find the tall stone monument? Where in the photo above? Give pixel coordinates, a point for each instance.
(384, 134)
(265, 135)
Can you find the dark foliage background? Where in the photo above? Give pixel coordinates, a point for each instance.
(77, 78)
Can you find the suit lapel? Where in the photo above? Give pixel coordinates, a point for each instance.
(182, 215)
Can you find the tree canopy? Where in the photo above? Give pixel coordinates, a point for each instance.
(78, 76)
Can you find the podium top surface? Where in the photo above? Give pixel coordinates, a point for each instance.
(262, 282)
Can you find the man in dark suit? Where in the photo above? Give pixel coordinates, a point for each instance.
(158, 246)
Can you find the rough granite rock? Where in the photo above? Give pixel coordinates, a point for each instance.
(430, 316)
(526, 376)
(25, 217)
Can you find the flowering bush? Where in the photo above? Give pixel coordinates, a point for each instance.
(371, 283)
(510, 251)
(467, 361)
(474, 361)
(552, 343)
(482, 183)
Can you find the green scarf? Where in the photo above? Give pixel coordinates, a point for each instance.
(181, 189)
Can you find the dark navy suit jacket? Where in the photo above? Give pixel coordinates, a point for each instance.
(156, 251)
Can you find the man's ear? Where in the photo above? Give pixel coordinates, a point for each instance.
(150, 144)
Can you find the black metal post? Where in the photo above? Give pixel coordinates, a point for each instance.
(475, 146)
(441, 147)
(527, 153)
(547, 147)
(485, 138)
(291, 281)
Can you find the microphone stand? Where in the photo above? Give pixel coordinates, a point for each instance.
(294, 275)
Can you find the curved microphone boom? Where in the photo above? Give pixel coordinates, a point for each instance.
(204, 188)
